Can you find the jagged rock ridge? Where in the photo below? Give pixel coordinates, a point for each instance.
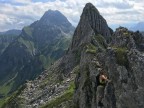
(122, 59)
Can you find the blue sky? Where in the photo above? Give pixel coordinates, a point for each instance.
(15, 14)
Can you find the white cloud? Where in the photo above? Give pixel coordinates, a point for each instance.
(114, 11)
(120, 4)
(22, 1)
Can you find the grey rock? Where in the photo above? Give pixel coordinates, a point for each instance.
(91, 23)
(122, 59)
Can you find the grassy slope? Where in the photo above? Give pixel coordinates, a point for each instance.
(6, 87)
(12, 100)
(1, 102)
(52, 52)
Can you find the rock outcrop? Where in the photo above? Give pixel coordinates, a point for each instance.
(91, 23)
(121, 57)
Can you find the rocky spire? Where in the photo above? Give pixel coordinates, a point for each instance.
(91, 23)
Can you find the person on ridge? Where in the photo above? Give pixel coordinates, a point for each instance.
(102, 79)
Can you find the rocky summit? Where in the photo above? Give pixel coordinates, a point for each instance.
(91, 23)
(71, 81)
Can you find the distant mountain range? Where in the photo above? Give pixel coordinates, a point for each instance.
(34, 50)
(11, 32)
(139, 26)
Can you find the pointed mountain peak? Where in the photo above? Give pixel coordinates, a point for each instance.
(51, 13)
(54, 17)
(90, 6)
(91, 23)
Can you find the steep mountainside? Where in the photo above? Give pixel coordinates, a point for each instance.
(71, 81)
(5, 40)
(36, 48)
(7, 37)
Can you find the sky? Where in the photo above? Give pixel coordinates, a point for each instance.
(15, 14)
